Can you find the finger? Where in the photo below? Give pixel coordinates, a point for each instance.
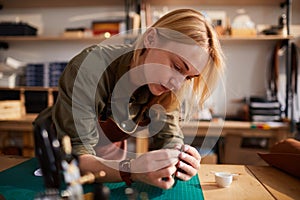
(164, 154)
(149, 162)
(192, 151)
(186, 169)
(166, 183)
(162, 178)
(183, 176)
(178, 146)
(158, 165)
(166, 172)
(195, 163)
(149, 165)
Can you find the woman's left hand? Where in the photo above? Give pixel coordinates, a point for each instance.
(189, 163)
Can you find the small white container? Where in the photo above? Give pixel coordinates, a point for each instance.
(223, 179)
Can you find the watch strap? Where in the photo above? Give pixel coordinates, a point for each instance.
(125, 171)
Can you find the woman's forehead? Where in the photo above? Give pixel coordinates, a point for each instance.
(192, 54)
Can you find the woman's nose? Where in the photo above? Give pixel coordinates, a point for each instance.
(176, 82)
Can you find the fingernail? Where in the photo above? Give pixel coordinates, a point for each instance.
(178, 174)
(182, 155)
(178, 164)
(185, 148)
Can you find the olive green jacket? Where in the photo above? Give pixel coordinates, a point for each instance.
(94, 87)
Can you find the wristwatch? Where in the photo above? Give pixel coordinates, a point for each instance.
(125, 171)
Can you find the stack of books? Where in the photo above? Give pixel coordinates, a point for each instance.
(55, 71)
(36, 74)
(262, 110)
(44, 74)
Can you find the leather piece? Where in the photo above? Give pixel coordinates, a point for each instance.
(284, 155)
(287, 162)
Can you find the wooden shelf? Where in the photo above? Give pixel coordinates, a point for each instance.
(213, 2)
(257, 37)
(58, 3)
(49, 38)
(101, 38)
(27, 88)
(50, 91)
(8, 4)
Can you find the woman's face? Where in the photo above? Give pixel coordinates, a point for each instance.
(165, 71)
(167, 64)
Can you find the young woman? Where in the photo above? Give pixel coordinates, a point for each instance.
(110, 92)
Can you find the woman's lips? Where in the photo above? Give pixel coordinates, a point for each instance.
(164, 88)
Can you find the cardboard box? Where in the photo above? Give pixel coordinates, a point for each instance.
(10, 70)
(243, 32)
(8, 80)
(11, 109)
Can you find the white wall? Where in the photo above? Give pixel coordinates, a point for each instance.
(246, 60)
(52, 22)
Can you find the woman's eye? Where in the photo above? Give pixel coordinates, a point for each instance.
(177, 68)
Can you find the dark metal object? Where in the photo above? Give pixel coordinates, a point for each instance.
(47, 150)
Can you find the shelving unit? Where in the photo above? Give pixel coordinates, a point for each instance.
(101, 38)
(25, 39)
(92, 40)
(10, 127)
(52, 92)
(79, 3)
(286, 4)
(48, 38)
(49, 92)
(213, 2)
(59, 3)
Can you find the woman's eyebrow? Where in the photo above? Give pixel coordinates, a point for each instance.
(186, 66)
(193, 76)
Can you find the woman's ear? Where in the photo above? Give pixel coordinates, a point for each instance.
(150, 38)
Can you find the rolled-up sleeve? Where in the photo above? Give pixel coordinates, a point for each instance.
(75, 112)
(165, 129)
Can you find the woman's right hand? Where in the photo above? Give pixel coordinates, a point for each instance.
(156, 167)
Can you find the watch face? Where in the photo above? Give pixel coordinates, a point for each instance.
(125, 166)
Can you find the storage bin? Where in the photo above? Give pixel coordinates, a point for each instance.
(8, 80)
(11, 109)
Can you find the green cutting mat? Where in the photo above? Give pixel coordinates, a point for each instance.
(181, 190)
(20, 183)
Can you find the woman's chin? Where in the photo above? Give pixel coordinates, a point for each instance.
(157, 90)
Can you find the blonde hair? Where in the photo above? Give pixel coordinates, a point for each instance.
(193, 24)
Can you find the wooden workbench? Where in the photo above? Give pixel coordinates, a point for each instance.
(253, 182)
(218, 128)
(24, 126)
